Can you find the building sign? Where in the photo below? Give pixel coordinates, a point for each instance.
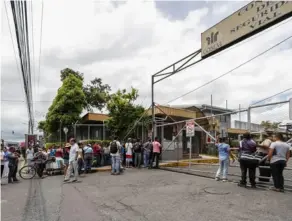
(249, 20)
(30, 140)
(190, 128)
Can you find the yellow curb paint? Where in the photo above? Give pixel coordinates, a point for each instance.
(173, 164)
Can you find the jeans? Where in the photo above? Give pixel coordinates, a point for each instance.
(80, 165)
(146, 158)
(277, 173)
(155, 156)
(12, 173)
(72, 166)
(138, 159)
(251, 167)
(2, 169)
(88, 163)
(223, 169)
(115, 164)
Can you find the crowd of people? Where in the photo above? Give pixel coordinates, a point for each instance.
(75, 158)
(273, 151)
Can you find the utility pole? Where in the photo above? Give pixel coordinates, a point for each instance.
(153, 110)
(249, 118)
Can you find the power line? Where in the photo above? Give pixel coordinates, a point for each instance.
(20, 18)
(222, 75)
(41, 35)
(271, 96)
(33, 54)
(14, 51)
(21, 101)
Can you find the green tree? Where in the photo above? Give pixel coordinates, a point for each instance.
(67, 105)
(96, 94)
(42, 125)
(67, 71)
(275, 126)
(266, 125)
(123, 112)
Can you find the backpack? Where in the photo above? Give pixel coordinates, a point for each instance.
(65, 154)
(114, 147)
(137, 147)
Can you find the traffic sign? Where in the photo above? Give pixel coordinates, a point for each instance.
(190, 128)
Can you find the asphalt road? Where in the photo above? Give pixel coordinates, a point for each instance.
(136, 195)
(234, 173)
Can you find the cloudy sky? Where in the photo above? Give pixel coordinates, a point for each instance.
(124, 43)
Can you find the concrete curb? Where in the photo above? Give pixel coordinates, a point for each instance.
(181, 163)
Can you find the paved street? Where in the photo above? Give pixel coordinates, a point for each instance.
(140, 195)
(234, 173)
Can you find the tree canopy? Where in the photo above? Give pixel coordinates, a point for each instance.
(67, 71)
(123, 112)
(270, 125)
(96, 94)
(67, 105)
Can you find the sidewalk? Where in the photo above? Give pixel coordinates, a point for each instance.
(172, 163)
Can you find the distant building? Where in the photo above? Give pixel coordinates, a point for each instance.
(223, 121)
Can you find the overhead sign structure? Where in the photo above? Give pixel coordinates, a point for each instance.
(290, 109)
(190, 128)
(247, 21)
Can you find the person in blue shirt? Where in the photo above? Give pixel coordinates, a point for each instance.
(223, 150)
(88, 156)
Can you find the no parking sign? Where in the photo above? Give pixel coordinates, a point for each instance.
(190, 128)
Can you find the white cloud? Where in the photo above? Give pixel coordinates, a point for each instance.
(126, 44)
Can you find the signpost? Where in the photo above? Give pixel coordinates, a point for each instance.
(190, 132)
(65, 129)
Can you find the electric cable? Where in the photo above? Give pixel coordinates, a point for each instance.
(40, 51)
(230, 71)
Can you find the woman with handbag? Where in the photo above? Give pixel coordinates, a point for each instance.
(247, 160)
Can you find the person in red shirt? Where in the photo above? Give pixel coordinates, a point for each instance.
(97, 154)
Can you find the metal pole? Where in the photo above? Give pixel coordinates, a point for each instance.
(239, 117)
(60, 132)
(75, 131)
(88, 132)
(249, 119)
(153, 110)
(103, 130)
(190, 157)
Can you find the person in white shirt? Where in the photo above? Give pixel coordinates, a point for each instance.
(29, 155)
(279, 155)
(129, 147)
(72, 161)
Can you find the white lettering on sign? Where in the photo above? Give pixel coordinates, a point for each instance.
(247, 21)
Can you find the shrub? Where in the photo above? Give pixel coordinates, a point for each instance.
(100, 142)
